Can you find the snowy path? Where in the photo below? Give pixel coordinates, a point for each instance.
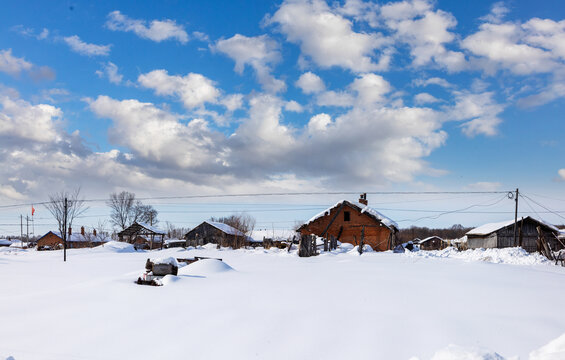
(274, 305)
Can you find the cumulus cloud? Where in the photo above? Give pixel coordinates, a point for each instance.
(83, 48)
(110, 71)
(13, 65)
(259, 52)
(293, 106)
(478, 111)
(310, 83)
(192, 89)
(432, 81)
(425, 98)
(327, 37)
(156, 30)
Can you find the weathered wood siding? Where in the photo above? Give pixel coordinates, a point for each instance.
(208, 234)
(433, 244)
(376, 234)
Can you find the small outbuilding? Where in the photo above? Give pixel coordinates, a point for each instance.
(501, 235)
(143, 236)
(211, 232)
(432, 243)
(349, 221)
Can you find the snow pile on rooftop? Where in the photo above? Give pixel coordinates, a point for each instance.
(165, 261)
(363, 208)
(515, 255)
(205, 267)
(554, 350)
(454, 352)
(115, 246)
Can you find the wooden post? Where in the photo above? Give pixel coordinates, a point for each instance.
(325, 244)
(516, 218)
(362, 238)
(521, 236)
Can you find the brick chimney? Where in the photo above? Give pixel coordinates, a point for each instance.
(70, 231)
(94, 232)
(363, 199)
(82, 230)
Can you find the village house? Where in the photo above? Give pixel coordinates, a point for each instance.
(53, 240)
(501, 235)
(143, 236)
(211, 232)
(349, 221)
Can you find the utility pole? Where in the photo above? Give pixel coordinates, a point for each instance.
(22, 230)
(27, 228)
(65, 231)
(516, 217)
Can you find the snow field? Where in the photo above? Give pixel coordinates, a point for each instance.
(269, 304)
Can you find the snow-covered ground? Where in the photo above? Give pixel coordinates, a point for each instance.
(270, 304)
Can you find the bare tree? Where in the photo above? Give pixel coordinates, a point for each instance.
(242, 222)
(122, 206)
(145, 213)
(75, 208)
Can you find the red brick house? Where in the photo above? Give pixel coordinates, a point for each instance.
(53, 240)
(346, 221)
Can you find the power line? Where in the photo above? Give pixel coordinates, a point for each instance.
(542, 206)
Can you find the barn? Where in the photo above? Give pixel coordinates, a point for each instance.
(348, 221)
(432, 243)
(211, 232)
(501, 235)
(143, 236)
(53, 240)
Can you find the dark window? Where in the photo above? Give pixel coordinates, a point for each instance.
(346, 216)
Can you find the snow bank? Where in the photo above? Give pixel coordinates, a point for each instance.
(169, 279)
(115, 246)
(165, 261)
(515, 256)
(454, 352)
(554, 350)
(205, 267)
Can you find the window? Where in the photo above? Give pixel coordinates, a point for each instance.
(346, 216)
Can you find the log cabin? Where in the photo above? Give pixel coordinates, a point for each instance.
(347, 221)
(211, 232)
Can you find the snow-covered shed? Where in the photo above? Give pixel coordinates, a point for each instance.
(432, 243)
(217, 233)
(143, 235)
(348, 220)
(501, 235)
(53, 240)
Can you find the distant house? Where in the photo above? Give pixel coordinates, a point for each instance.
(211, 232)
(432, 243)
(501, 235)
(53, 240)
(143, 236)
(5, 242)
(347, 220)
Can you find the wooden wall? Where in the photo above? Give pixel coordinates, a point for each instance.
(208, 234)
(376, 234)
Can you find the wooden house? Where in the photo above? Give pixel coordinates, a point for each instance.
(53, 240)
(210, 232)
(432, 243)
(348, 221)
(501, 235)
(143, 236)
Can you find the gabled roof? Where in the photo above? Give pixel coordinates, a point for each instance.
(362, 208)
(79, 237)
(488, 229)
(230, 230)
(430, 238)
(140, 228)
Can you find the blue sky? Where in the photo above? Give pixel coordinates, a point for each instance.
(183, 98)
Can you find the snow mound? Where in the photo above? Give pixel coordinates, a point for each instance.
(515, 256)
(454, 352)
(115, 246)
(205, 267)
(554, 350)
(169, 279)
(165, 261)
(355, 250)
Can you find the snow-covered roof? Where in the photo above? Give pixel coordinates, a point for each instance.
(5, 242)
(230, 230)
(487, 229)
(152, 228)
(363, 209)
(429, 238)
(83, 238)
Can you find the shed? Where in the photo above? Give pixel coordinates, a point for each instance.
(211, 232)
(501, 235)
(143, 235)
(347, 220)
(432, 243)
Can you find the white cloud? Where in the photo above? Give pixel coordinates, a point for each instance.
(157, 30)
(335, 98)
(13, 65)
(425, 31)
(480, 113)
(232, 102)
(293, 106)
(425, 98)
(110, 70)
(310, 83)
(497, 13)
(432, 81)
(484, 186)
(21, 120)
(318, 123)
(327, 37)
(561, 173)
(259, 52)
(193, 89)
(79, 46)
(370, 88)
